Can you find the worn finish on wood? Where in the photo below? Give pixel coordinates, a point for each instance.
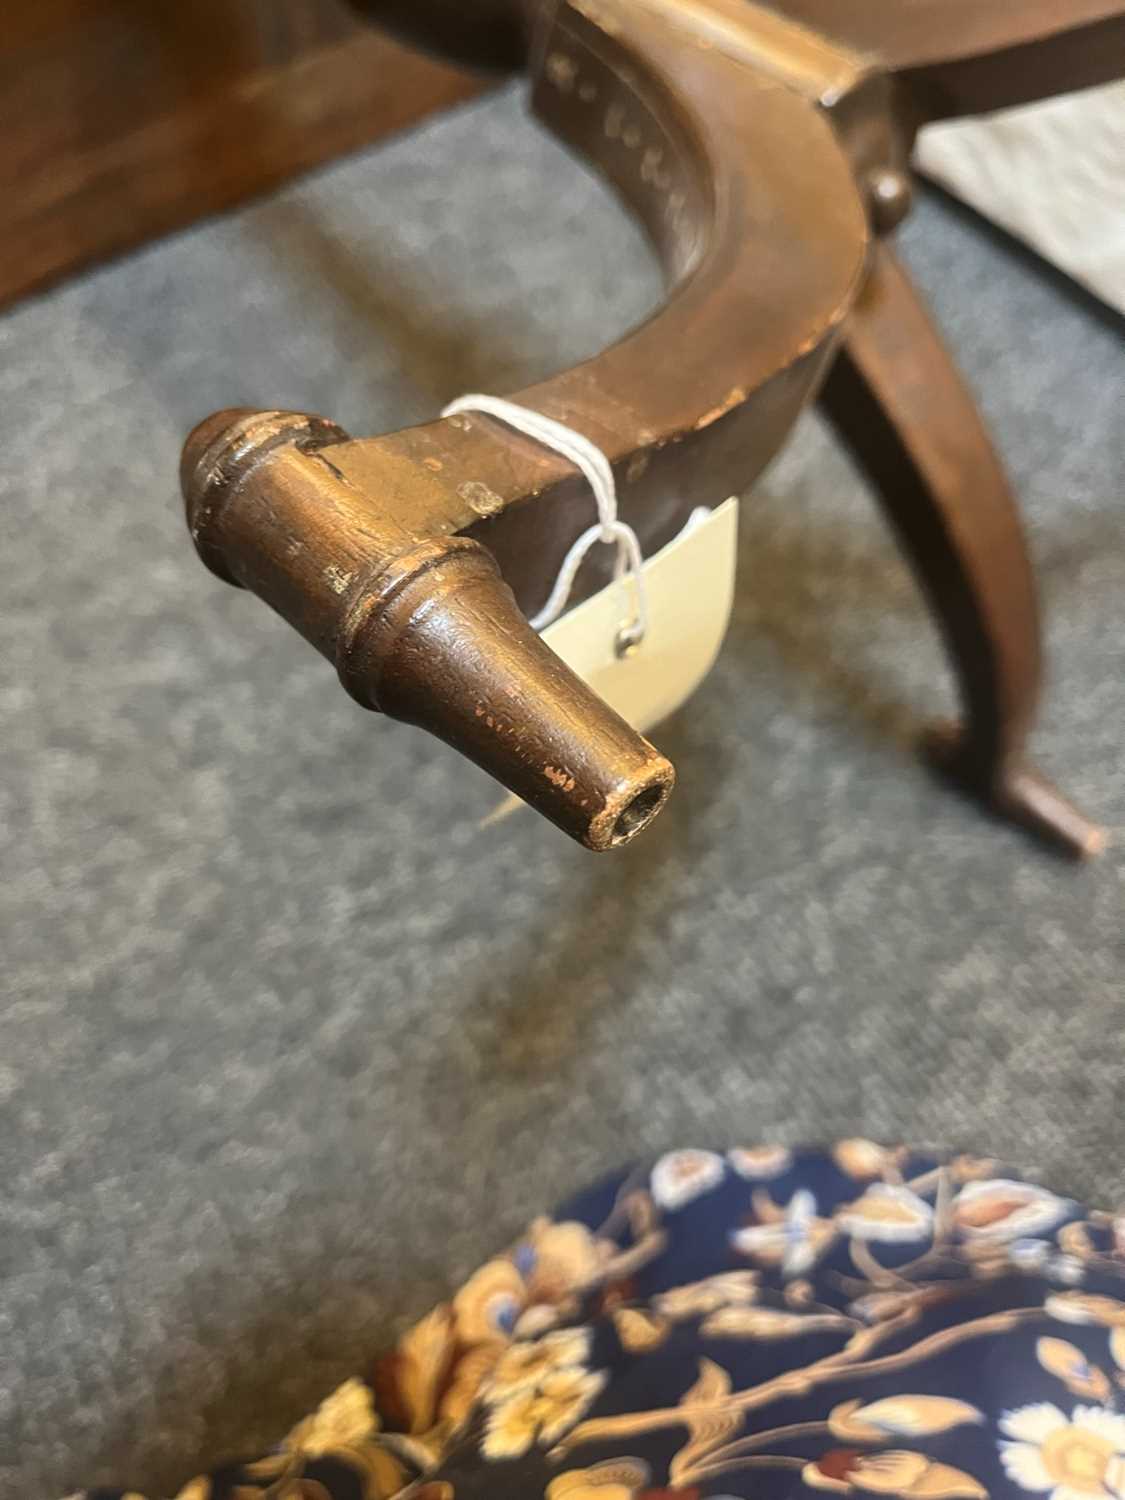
(418, 622)
(764, 159)
(123, 121)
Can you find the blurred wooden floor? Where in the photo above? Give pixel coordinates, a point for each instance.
(124, 119)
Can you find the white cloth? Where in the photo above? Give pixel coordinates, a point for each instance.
(1051, 173)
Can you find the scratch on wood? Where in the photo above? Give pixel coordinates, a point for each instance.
(614, 121)
(730, 400)
(484, 501)
(561, 71)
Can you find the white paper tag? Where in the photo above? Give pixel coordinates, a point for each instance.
(689, 586)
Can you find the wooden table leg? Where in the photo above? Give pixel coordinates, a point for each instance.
(897, 400)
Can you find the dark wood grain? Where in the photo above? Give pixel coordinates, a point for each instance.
(124, 120)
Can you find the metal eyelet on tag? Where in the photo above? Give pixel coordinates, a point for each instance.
(690, 592)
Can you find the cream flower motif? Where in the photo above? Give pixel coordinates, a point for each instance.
(524, 1292)
(556, 1260)
(1029, 1254)
(1070, 1365)
(539, 1318)
(680, 1176)
(1000, 1209)
(1075, 1239)
(892, 1473)
(613, 1479)
(760, 1163)
(1072, 1457)
(887, 1213)
(795, 1240)
(726, 1289)
(525, 1364)
(768, 1323)
(878, 1307)
(638, 1330)
(862, 1159)
(343, 1419)
(487, 1306)
(540, 1413)
(900, 1416)
(1066, 1268)
(1086, 1307)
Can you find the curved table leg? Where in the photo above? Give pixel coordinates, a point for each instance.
(896, 399)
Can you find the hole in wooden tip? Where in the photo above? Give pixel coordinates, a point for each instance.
(639, 813)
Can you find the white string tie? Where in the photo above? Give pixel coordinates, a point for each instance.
(592, 462)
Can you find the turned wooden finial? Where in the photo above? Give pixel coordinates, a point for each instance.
(420, 627)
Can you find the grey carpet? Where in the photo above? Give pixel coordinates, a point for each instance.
(287, 1043)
